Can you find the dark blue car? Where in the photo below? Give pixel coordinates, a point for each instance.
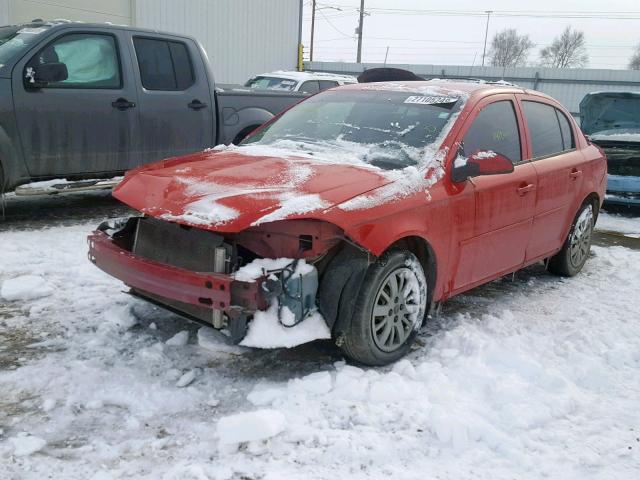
(612, 121)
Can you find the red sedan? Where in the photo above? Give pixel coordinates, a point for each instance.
(365, 205)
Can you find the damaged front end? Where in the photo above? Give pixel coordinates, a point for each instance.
(219, 279)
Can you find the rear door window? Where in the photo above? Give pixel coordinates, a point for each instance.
(568, 141)
(544, 129)
(164, 65)
(494, 129)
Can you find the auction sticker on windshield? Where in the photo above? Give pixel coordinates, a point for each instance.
(430, 100)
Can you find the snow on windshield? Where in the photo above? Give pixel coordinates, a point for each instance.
(389, 124)
(272, 83)
(398, 133)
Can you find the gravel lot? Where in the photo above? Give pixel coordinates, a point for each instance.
(526, 377)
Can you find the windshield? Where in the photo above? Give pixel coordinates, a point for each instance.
(15, 38)
(393, 126)
(272, 83)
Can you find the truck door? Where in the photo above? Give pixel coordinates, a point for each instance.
(87, 123)
(177, 109)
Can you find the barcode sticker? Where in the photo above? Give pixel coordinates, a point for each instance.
(430, 100)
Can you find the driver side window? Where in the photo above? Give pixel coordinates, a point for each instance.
(494, 129)
(91, 60)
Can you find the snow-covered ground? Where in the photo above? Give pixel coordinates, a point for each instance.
(533, 378)
(622, 224)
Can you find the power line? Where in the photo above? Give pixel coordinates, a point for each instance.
(332, 25)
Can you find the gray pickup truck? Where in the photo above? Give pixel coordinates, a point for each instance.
(90, 101)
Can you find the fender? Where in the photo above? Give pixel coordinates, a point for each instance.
(235, 121)
(431, 226)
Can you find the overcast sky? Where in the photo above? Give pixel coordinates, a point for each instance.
(454, 39)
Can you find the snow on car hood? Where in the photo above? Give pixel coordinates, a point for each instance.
(608, 113)
(234, 188)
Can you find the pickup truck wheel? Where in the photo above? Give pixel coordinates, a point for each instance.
(389, 310)
(575, 251)
(245, 131)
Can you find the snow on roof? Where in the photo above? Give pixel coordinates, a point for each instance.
(300, 76)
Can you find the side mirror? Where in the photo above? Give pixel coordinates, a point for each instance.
(479, 164)
(40, 75)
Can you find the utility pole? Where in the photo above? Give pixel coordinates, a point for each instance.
(359, 58)
(486, 32)
(313, 24)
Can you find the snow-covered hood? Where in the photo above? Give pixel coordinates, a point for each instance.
(611, 113)
(230, 191)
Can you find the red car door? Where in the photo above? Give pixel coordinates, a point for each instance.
(503, 204)
(559, 166)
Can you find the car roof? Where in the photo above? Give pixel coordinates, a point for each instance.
(64, 23)
(441, 85)
(300, 76)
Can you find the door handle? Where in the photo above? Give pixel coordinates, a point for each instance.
(196, 105)
(524, 189)
(575, 174)
(122, 104)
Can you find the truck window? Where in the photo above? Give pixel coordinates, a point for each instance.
(324, 84)
(310, 87)
(164, 65)
(91, 59)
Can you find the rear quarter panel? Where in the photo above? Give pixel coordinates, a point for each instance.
(239, 109)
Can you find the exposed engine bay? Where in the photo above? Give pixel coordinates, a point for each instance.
(227, 277)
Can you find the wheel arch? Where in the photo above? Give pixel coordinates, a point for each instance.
(243, 133)
(595, 201)
(425, 253)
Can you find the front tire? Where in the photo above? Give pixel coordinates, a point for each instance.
(389, 310)
(575, 251)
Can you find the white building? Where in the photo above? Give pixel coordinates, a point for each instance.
(242, 37)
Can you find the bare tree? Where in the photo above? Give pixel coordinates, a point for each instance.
(634, 61)
(567, 51)
(508, 49)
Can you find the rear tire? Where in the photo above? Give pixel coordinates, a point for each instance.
(389, 310)
(575, 251)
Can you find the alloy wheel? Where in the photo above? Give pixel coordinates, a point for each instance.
(396, 309)
(581, 238)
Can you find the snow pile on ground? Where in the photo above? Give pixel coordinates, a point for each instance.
(266, 331)
(626, 225)
(214, 341)
(25, 287)
(532, 378)
(180, 339)
(251, 426)
(24, 445)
